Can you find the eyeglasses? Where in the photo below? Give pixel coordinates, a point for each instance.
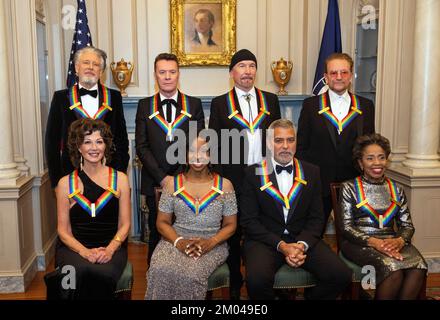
(343, 73)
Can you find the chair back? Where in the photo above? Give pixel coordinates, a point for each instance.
(335, 188)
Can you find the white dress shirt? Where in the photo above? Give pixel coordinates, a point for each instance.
(203, 40)
(89, 103)
(285, 182)
(340, 104)
(255, 148)
(173, 108)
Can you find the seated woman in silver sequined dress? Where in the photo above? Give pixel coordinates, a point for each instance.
(204, 207)
(376, 224)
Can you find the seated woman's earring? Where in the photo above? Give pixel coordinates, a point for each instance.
(81, 162)
(104, 160)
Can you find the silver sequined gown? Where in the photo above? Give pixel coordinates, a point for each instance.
(357, 227)
(172, 274)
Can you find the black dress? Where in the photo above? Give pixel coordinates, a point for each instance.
(93, 281)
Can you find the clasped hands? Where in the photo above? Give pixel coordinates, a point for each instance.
(99, 255)
(391, 246)
(196, 247)
(294, 253)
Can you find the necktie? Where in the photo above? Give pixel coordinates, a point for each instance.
(92, 93)
(169, 109)
(280, 169)
(248, 99)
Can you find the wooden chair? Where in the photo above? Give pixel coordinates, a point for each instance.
(355, 287)
(219, 279)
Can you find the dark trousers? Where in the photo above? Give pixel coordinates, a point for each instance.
(262, 262)
(154, 235)
(327, 208)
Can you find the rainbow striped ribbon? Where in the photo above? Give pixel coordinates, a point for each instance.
(324, 108)
(75, 103)
(197, 206)
(235, 114)
(162, 123)
(299, 182)
(93, 208)
(387, 216)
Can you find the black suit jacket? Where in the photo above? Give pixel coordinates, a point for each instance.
(262, 217)
(151, 144)
(218, 120)
(319, 142)
(59, 121)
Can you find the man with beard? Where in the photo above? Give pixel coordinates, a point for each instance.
(282, 219)
(87, 98)
(248, 111)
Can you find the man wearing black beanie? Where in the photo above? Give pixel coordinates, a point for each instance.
(250, 111)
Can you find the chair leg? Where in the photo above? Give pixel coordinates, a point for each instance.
(422, 293)
(225, 293)
(355, 288)
(123, 295)
(292, 293)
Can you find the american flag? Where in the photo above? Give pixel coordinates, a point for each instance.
(81, 38)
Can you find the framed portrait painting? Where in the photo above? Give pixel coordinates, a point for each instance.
(203, 31)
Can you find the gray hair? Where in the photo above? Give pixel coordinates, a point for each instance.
(100, 53)
(282, 123)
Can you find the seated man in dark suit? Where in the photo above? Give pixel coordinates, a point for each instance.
(282, 219)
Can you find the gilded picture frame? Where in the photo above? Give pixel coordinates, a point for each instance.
(203, 31)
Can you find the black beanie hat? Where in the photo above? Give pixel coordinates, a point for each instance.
(241, 55)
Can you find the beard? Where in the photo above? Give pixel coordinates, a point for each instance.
(88, 81)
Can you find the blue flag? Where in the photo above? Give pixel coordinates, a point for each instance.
(81, 38)
(331, 43)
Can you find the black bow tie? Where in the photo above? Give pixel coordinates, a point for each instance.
(84, 92)
(280, 169)
(169, 101)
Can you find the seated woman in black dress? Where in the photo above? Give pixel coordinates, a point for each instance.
(376, 224)
(94, 209)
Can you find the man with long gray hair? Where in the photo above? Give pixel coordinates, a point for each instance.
(87, 98)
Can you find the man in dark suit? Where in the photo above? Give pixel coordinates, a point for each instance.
(157, 118)
(87, 98)
(282, 218)
(249, 111)
(329, 125)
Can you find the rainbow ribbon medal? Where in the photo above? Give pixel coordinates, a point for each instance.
(197, 206)
(325, 110)
(298, 183)
(381, 219)
(75, 103)
(235, 114)
(169, 128)
(93, 208)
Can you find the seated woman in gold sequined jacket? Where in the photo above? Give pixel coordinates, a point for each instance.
(376, 223)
